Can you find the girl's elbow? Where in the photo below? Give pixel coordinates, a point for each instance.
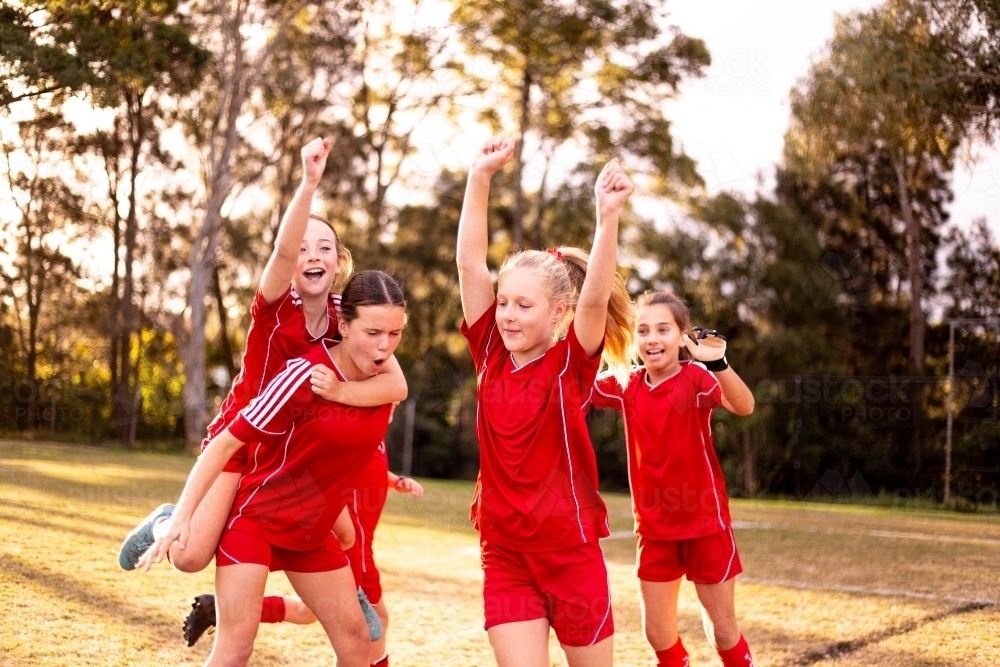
(747, 408)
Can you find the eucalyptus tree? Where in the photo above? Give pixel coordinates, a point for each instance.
(243, 36)
(877, 118)
(50, 213)
(595, 71)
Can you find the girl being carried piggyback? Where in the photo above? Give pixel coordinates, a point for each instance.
(678, 490)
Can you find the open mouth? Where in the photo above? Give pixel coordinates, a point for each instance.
(379, 363)
(314, 275)
(654, 355)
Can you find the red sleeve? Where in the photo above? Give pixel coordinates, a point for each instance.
(263, 311)
(608, 393)
(266, 416)
(709, 394)
(483, 336)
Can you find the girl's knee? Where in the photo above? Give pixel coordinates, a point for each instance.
(188, 562)
(660, 635)
(232, 650)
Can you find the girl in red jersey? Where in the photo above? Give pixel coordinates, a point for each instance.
(286, 506)
(536, 506)
(678, 490)
(363, 511)
(292, 310)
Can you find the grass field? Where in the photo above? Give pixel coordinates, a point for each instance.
(823, 585)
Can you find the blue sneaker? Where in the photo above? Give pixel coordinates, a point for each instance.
(141, 538)
(371, 616)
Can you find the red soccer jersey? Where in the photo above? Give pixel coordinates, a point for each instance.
(678, 489)
(277, 333)
(310, 455)
(537, 487)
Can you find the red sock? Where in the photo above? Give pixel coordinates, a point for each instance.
(273, 610)
(737, 656)
(384, 662)
(675, 656)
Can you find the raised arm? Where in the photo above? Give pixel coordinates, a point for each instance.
(201, 478)
(709, 347)
(388, 386)
(474, 279)
(736, 395)
(612, 189)
(284, 259)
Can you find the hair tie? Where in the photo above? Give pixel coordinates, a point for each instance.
(557, 254)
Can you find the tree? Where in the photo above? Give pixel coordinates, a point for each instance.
(47, 209)
(34, 60)
(245, 35)
(544, 51)
(142, 55)
(877, 116)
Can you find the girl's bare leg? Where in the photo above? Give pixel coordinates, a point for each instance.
(659, 612)
(521, 644)
(718, 602)
(239, 595)
(333, 598)
(206, 525)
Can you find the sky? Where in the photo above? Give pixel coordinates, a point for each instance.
(733, 120)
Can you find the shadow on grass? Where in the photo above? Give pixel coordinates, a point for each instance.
(75, 530)
(845, 648)
(75, 515)
(125, 494)
(157, 626)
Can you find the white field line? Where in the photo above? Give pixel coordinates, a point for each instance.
(890, 534)
(886, 592)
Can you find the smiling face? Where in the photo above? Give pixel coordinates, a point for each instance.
(369, 339)
(318, 264)
(526, 316)
(658, 338)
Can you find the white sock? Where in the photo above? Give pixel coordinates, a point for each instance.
(162, 527)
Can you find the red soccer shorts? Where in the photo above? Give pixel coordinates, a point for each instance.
(236, 548)
(569, 587)
(712, 559)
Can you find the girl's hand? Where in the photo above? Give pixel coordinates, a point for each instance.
(706, 345)
(612, 189)
(325, 383)
(496, 152)
(180, 529)
(314, 160)
(409, 485)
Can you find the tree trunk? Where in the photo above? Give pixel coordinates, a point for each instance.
(114, 307)
(236, 84)
(227, 348)
(34, 295)
(916, 359)
(136, 133)
(749, 465)
(517, 233)
(917, 325)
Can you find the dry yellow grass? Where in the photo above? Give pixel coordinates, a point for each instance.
(824, 585)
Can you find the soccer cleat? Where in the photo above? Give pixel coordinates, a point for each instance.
(200, 618)
(141, 538)
(371, 616)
